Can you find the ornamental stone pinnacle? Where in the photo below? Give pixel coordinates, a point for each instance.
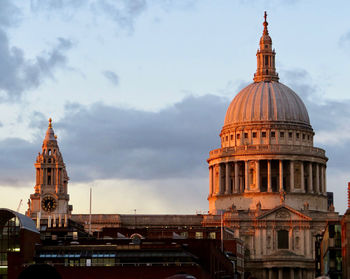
(266, 70)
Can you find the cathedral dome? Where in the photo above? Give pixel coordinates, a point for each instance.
(267, 101)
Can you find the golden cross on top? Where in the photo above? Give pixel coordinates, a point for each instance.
(265, 15)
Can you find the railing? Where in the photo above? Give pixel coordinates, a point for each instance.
(280, 148)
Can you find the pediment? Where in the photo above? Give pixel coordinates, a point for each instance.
(284, 212)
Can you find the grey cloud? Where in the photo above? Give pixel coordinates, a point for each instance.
(344, 40)
(37, 5)
(16, 161)
(18, 74)
(106, 142)
(112, 77)
(328, 117)
(122, 12)
(10, 14)
(127, 143)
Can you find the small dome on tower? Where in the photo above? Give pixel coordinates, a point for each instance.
(50, 134)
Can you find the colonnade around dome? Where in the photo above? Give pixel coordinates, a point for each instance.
(267, 176)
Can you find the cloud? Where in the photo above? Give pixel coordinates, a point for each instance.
(106, 142)
(133, 144)
(330, 121)
(122, 12)
(112, 77)
(18, 74)
(10, 14)
(344, 40)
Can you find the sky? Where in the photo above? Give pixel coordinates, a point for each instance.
(138, 91)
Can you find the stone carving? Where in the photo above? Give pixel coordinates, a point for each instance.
(283, 214)
(268, 242)
(282, 196)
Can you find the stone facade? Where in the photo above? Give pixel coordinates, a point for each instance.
(267, 179)
(50, 199)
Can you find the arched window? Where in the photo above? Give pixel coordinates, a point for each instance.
(283, 239)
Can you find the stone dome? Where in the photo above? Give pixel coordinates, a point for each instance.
(267, 101)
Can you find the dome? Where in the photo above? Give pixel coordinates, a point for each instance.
(267, 101)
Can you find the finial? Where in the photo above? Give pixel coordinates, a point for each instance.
(266, 32)
(50, 120)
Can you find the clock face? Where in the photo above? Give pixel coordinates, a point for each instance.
(48, 203)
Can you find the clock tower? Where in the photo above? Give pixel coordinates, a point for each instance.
(50, 198)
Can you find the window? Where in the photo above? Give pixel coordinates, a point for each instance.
(290, 135)
(199, 235)
(254, 134)
(281, 134)
(283, 239)
(303, 136)
(238, 136)
(184, 234)
(245, 135)
(308, 137)
(263, 134)
(273, 134)
(212, 235)
(297, 135)
(226, 138)
(231, 137)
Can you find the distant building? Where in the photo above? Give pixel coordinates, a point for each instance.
(345, 236)
(330, 244)
(18, 239)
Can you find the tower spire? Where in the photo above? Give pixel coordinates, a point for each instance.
(266, 70)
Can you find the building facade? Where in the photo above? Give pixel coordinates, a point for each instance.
(50, 200)
(267, 179)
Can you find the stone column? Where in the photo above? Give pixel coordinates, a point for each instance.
(318, 179)
(270, 273)
(236, 178)
(281, 175)
(280, 273)
(310, 186)
(299, 274)
(325, 180)
(321, 180)
(291, 175)
(291, 273)
(269, 188)
(228, 180)
(302, 182)
(221, 186)
(211, 181)
(308, 245)
(257, 168)
(246, 174)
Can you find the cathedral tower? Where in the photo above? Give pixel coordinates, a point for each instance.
(267, 182)
(267, 152)
(50, 199)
